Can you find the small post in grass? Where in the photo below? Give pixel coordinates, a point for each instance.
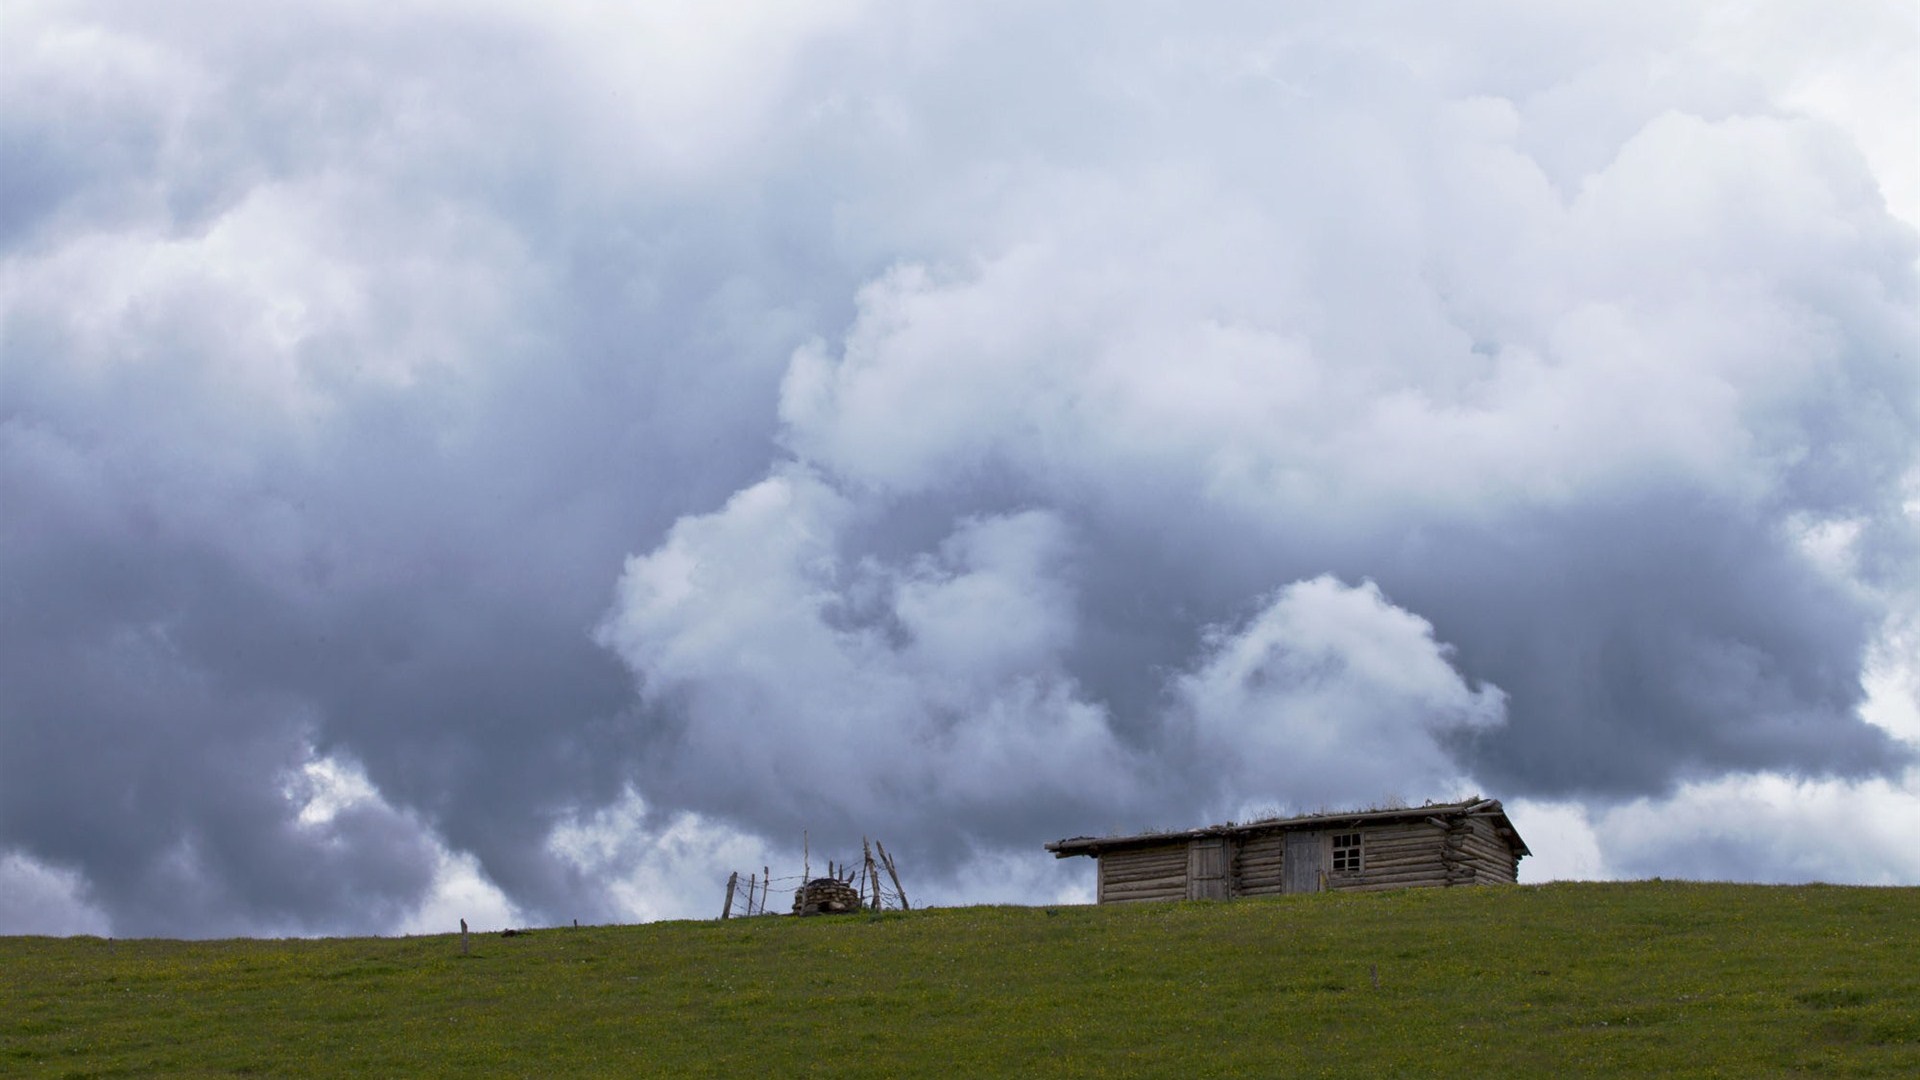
(869, 874)
(733, 879)
(463, 937)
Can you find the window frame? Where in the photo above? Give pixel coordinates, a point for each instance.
(1348, 857)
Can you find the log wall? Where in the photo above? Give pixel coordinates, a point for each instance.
(1483, 851)
(1398, 856)
(1151, 873)
(1257, 864)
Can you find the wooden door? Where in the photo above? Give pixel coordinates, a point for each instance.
(1300, 868)
(1207, 869)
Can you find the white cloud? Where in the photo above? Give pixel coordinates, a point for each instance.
(671, 868)
(460, 890)
(1563, 842)
(1328, 692)
(327, 787)
(810, 680)
(1763, 827)
(1154, 327)
(39, 899)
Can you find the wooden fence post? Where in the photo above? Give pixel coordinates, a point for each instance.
(894, 873)
(732, 880)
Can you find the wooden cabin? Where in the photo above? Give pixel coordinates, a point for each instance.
(1440, 844)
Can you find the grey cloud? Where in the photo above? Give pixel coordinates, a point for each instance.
(343, 462)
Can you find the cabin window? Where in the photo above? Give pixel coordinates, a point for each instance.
(1346, 853)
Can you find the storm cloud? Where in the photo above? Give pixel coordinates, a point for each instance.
(521, 462)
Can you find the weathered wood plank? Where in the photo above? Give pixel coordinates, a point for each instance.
(1398, 865)
(1156, 855)
(1396, 851)
(1380, 858)
(1396, 832)
(1492, 856)
(1178, 873)
(1398, 842)
(1157, 863)
(1145, 898)
(1376, 886)
(1149, 884)
(1177, 891)
(1170, 852)
(1147, 873)
(1406, 875)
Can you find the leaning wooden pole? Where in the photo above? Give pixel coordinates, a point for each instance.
(733, 879)
(894, 873)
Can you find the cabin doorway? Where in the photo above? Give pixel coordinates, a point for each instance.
(1207, 869)
(1301, 868)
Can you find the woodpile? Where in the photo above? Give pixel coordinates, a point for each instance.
(826, 896)
(844, 888)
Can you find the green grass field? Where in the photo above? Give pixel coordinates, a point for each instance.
(1628, 979)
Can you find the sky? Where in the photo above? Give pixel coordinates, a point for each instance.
(523, 462)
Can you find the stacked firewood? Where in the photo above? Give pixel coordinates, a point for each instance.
(825, 896)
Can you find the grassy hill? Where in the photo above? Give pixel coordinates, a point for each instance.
(1625, 979)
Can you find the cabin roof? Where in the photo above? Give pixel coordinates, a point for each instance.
(1442, 813)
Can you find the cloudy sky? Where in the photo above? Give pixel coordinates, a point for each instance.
(522, 461)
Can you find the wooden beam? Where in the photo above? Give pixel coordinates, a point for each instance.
(894, 873)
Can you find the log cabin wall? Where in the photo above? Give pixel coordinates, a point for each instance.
(1470, 842)
(1147, 873)
(1484, 852)
(1257, 864)
(1398, 856)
